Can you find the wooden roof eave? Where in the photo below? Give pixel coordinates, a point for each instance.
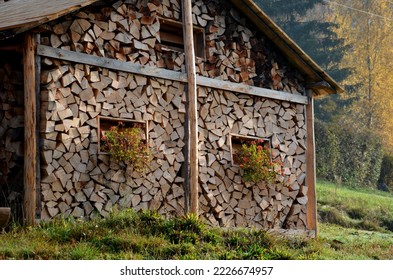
(314, 74)
(20, 16)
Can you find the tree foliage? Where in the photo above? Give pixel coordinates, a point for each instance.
(347, 156)
(352, 41)
(304, 21)
(366, 27)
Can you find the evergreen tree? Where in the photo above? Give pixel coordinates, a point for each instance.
(305, 22)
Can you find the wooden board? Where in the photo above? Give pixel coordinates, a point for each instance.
(166, 74)
(26, 14)
(311, 172)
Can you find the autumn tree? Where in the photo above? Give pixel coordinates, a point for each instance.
(366, 26)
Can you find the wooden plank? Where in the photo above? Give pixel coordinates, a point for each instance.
(23, 15)
(311, 171)
(256, 91)
(30, 150)
(37, 128)
(111, 63)
(167, 74)
(192, 104)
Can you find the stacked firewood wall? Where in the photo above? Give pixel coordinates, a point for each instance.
(78, 180)
(225, 199)
(130, 31)
(81, 181)
(11, 132)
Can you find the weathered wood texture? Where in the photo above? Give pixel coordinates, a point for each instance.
(192, 105)
(311, 169)
(79, 181)
(15, 14)
(30, 143)
(152, 71)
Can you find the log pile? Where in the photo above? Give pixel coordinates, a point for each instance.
(78, 180)
(81, 181)
(131, 32)
(226, 199)
(11, 132)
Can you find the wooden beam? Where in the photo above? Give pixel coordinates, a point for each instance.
(110, 63)
(167, 74)
(256, 91)
(37, 129)
(30, 149)
(188, 37)
(310, 168)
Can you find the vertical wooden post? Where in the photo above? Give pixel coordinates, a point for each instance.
(30, 148)
(311, 167)
(192, 103)
(37, 38)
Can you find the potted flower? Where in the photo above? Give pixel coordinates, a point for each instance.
(127, 145)
(255, 161)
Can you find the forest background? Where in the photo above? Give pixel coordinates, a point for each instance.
(352, 41)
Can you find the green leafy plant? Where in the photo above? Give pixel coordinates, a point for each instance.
(256, 163)
(127, 145)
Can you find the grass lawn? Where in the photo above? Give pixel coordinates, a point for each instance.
(354, 224)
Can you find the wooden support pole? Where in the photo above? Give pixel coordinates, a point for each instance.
(311, 167)
(37, 128)
(192, 104)
(30, 148)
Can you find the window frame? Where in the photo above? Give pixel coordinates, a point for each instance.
(240, 138)
(171, 37)
(114, 121)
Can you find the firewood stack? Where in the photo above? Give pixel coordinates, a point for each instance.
(81, 181)
(131, 32)
(224, 196)
(78, 180)
(11, 119)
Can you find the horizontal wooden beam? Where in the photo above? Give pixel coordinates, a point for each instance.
(167, 74)
(257, 91)
(111, 63)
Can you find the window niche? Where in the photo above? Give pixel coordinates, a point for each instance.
(105, 124)
(171, 34)
(238, 140)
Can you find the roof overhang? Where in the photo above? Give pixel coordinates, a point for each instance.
(18, 16)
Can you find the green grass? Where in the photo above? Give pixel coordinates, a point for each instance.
(355, 224)
(356, 208)
(145, 235)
